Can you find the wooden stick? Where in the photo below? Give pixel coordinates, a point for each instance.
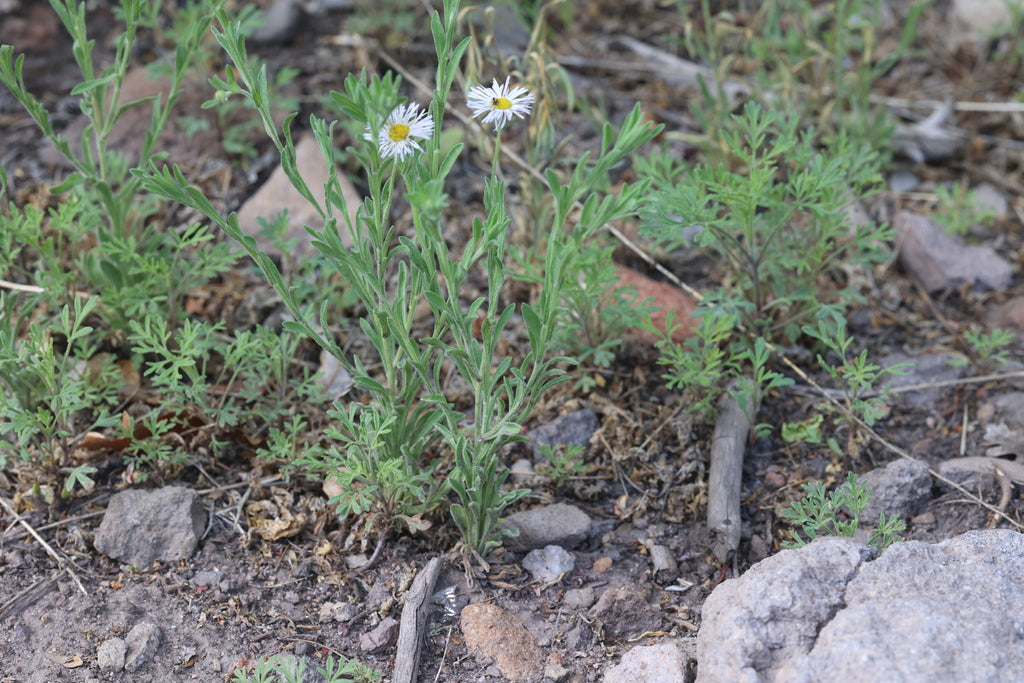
(414, 618)
(725, 475)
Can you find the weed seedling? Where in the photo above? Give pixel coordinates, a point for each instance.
(821, 513)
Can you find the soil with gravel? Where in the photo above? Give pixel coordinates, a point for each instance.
(241, 597)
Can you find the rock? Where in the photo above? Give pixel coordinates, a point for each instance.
(555, 672)
(142, 643)
(661, 663)
(558, 524)
(129, 134)
(903, 181)
(1009, 407)
(901, 488)
(277, 194)
(988, 196)
(493, 634)
(823, 612)
(666, 298)
(333, 376)
(980, 19)
(579, 598)
(548, 564)
(141, 526)
(1008, 315)
(924, 369)
(207, 577)
(939, 261)
(279, 23)
(749, 625)
(111, 654)
(383, 636)
(522, 473)
(338, 611)
(571, 429)
(625, 611)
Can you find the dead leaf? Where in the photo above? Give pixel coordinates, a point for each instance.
(274, 519)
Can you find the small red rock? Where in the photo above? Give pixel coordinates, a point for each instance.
(667, 298)
(774, 481)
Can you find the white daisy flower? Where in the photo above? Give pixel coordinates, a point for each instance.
(399, 134)
(499, 102)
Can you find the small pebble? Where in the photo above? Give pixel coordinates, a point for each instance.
(774, 481)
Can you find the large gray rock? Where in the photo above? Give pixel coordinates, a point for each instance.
(140, 527)
(558, 524)
(939, 261)
(952, 611)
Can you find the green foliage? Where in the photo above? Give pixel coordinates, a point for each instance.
(988, 350)
(957, 209)
(392, 427)
(865, 396)
(287, 669)
(778, 226)
(137, 268)
(596, 310)
(237, 132)
(51, 397)
(101, 172)
(563, 463)
(821, 513)
(820, 66)
(805, 431)
(218, 381)
(391, 22)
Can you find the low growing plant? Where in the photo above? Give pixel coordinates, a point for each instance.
(52, 397)
(822, 514)
(135, 265)
(213, 381)
(286, 669)
(386, 437)
(957, 209)
(596, 309)
(777, 225)
(988, 350)
(563, 462)
(865, 392)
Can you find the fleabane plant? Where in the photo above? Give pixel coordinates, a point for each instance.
(388, 437)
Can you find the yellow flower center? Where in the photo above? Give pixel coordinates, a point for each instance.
(501, 103)
(398, 132)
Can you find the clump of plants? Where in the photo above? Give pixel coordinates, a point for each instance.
(388, 439)
(773, 217)
(837, 514)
